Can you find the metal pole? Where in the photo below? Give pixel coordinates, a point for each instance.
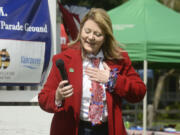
(145, 100)
(52, 10)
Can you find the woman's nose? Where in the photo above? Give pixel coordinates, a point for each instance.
(91, 36)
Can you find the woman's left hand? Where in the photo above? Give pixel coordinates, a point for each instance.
(98, 75)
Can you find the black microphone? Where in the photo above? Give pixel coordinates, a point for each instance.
(62, 70)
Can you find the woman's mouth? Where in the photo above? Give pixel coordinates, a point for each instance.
(90, 43)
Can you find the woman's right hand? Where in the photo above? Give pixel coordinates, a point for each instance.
(63, 91)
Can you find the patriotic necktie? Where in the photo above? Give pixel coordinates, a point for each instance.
(96, 102)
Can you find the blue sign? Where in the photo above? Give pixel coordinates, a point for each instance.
(26, 20)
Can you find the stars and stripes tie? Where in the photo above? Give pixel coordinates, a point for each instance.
(96, 102)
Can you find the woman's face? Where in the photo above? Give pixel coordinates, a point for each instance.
(92, 37)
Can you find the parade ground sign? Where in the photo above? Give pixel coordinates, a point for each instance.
(25, 41)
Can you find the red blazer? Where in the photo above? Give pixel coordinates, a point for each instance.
(128, 86)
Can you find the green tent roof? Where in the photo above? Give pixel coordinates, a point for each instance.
(149, 30)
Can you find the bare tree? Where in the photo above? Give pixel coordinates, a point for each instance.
(152, 109)
(173, 4)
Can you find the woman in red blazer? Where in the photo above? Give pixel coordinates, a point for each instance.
(77, 108)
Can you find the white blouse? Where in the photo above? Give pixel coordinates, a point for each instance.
(86, 93)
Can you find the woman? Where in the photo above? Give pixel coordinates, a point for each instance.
(89, 102)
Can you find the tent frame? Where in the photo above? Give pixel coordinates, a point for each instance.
(145, 99)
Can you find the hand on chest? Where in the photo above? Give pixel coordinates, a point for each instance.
(89, 73)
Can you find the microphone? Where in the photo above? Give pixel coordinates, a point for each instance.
(62, 70)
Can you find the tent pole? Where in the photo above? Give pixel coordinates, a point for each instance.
(145, 99)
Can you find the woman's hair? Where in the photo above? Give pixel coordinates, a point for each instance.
(110, 47)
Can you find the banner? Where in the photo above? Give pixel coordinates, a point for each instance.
(25, 41)
(17, 64)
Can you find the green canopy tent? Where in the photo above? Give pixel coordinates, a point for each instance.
(150, 32)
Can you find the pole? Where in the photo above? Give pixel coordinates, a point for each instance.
(52, 11)
(145, 100)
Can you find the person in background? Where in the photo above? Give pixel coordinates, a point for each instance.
(100, 76)
(63, 38)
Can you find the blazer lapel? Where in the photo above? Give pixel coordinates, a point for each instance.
(74, 71)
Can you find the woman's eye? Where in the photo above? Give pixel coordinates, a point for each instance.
(98, 34)
(87, 30)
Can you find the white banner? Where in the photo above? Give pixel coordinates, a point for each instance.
(21, 61)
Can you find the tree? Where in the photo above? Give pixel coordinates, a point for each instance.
(106, 4)
(173, 4)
